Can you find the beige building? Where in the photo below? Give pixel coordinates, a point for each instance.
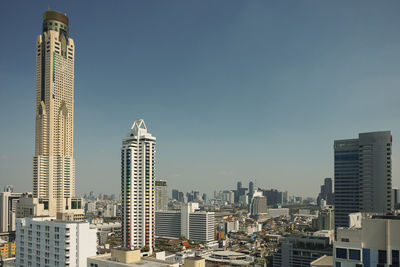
(126, 257)
(195, 262)
(53, 163)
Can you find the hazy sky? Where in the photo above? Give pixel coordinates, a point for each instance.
(233, 90)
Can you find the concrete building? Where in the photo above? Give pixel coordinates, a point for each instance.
(363, 175)
(90, 207)
(326, 192)
(8, 210)
(232, 226)
(324, 261)
(48, 242)
(125, 258)
(110, 210)
(228, 258)
(274, 197)
(326, 219)
(195, 262)
(137, 187)
(373, 241)
(273, 213)
(53, 162)
(168, 224)
(189, 222)
(7, 250)
(395, 198)
(228, 196)
(300, 251)
(161, 195)
(258, 204)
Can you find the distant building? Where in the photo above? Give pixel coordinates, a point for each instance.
(189, 222)
(48, 242)
(161, 195)
(228, 258)
(90, 207)
(363, 175)
(110, 210)
(326, 192)
(232, 226)
(8, 210)
(273, 213)
(228, 196)
(326, 219)
(300, 251)
(274, 197)
(258, 205)
(395, 198)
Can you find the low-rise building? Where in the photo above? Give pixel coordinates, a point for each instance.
(125, 257)
(300, 251)
(7, 249)
(227, 257)
(45, 241)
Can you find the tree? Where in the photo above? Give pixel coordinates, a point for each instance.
(145, 249)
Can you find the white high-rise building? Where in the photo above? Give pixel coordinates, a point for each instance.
(44, 241)
(53, 163)
(137, 187)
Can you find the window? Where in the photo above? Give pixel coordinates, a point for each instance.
(341, 253)
(354, 254)
(338, 264)
(395, 257)
(382, 256)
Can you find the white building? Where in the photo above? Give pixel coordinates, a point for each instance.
(110, 210)
(8, 208)
(137, 187)
(45, 241)
(375, 242)
(189, 222)
(90, 207)
(273, 213)
(126, 258)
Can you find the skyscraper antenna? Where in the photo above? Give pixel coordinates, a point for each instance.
(48, 7)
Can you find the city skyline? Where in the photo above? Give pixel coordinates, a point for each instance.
(206, 98)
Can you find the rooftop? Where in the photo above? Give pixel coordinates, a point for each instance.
(144, 262)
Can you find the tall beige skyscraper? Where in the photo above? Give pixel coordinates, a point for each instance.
(53, 163)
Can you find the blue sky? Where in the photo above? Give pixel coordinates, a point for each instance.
(233, 90)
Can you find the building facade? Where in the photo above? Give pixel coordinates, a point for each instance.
(363, 175)
(300, 251)
(161, 195)
(48, 242)
(189, 222)
(373, 243)
(8, 211)
(53, 162)
(137, 187)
